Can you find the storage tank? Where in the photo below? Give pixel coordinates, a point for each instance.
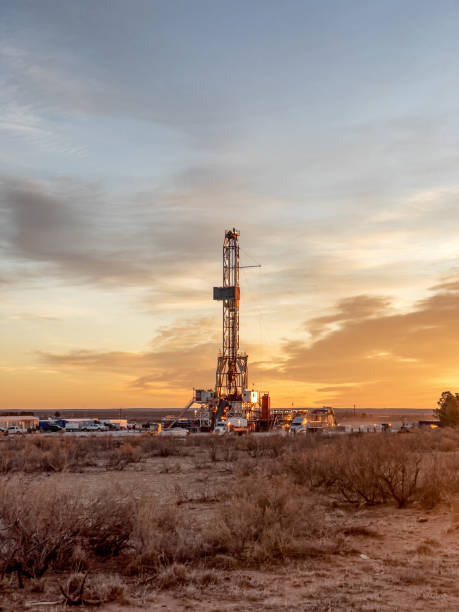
(266, 408)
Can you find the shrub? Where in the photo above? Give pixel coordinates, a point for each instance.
(39, 528)
(263, 520)
(47, 527)
(104, 588)
(398, 470)
(175, 575)
(439, 480)
(109, 519)
(360, 470)
(162, 536)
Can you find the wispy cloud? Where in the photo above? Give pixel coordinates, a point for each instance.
(33, 122)
(181, 357)
(349, 309)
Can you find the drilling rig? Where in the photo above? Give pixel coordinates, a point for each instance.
(231, 401)
(231, 378)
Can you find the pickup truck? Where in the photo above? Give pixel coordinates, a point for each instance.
(14, 430)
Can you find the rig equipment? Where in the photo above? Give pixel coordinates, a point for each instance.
(231, 403)
(231, 377)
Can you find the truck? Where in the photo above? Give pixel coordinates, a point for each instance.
(299, 424)
(238, 425)
(14, 430)
(321, 419)
(114, 424)
(220, 428)
(314, 420)
(49, 426)
(81, 425)
(96, 427)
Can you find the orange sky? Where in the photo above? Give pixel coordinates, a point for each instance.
(362, 351)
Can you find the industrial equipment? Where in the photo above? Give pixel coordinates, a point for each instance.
(312, 420)
(231, 398)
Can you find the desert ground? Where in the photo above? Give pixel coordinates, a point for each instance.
(310, 522)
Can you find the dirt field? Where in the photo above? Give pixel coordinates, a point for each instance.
(317, 549)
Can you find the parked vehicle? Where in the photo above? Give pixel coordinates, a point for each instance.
(238, 425)
(14, 430)
(321, 419)
(49, 426)
(314, 420)
(220, 428)
(81, 425)
(299, 424)
(53, 428)
(95, 427)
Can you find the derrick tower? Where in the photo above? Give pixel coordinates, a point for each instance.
(231, 376)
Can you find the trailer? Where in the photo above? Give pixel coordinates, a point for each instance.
(24, 423)
(49, 426)
(82, 425)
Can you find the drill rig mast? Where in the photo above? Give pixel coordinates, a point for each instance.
(231, 405)
(231, 376)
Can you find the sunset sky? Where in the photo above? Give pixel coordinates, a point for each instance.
(132, 134)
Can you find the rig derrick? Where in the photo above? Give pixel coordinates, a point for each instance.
(231, 405)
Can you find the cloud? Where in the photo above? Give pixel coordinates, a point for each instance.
(448, 284)
(29, 316)
(182, 356)
(378, 358)
(54, 227)
(375, 357)
(350, 309)
(74, 231)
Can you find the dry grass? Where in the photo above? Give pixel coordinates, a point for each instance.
(371, 469)
(44, 527)
(376, 469)
(64, 453)
(262, 502)
(267, 521)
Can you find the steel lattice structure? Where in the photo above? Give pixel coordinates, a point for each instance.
(231, 377)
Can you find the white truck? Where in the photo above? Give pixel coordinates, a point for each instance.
(220, 428)
(299, 424)
(81, 425)
(14, 430)
(238, 425)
